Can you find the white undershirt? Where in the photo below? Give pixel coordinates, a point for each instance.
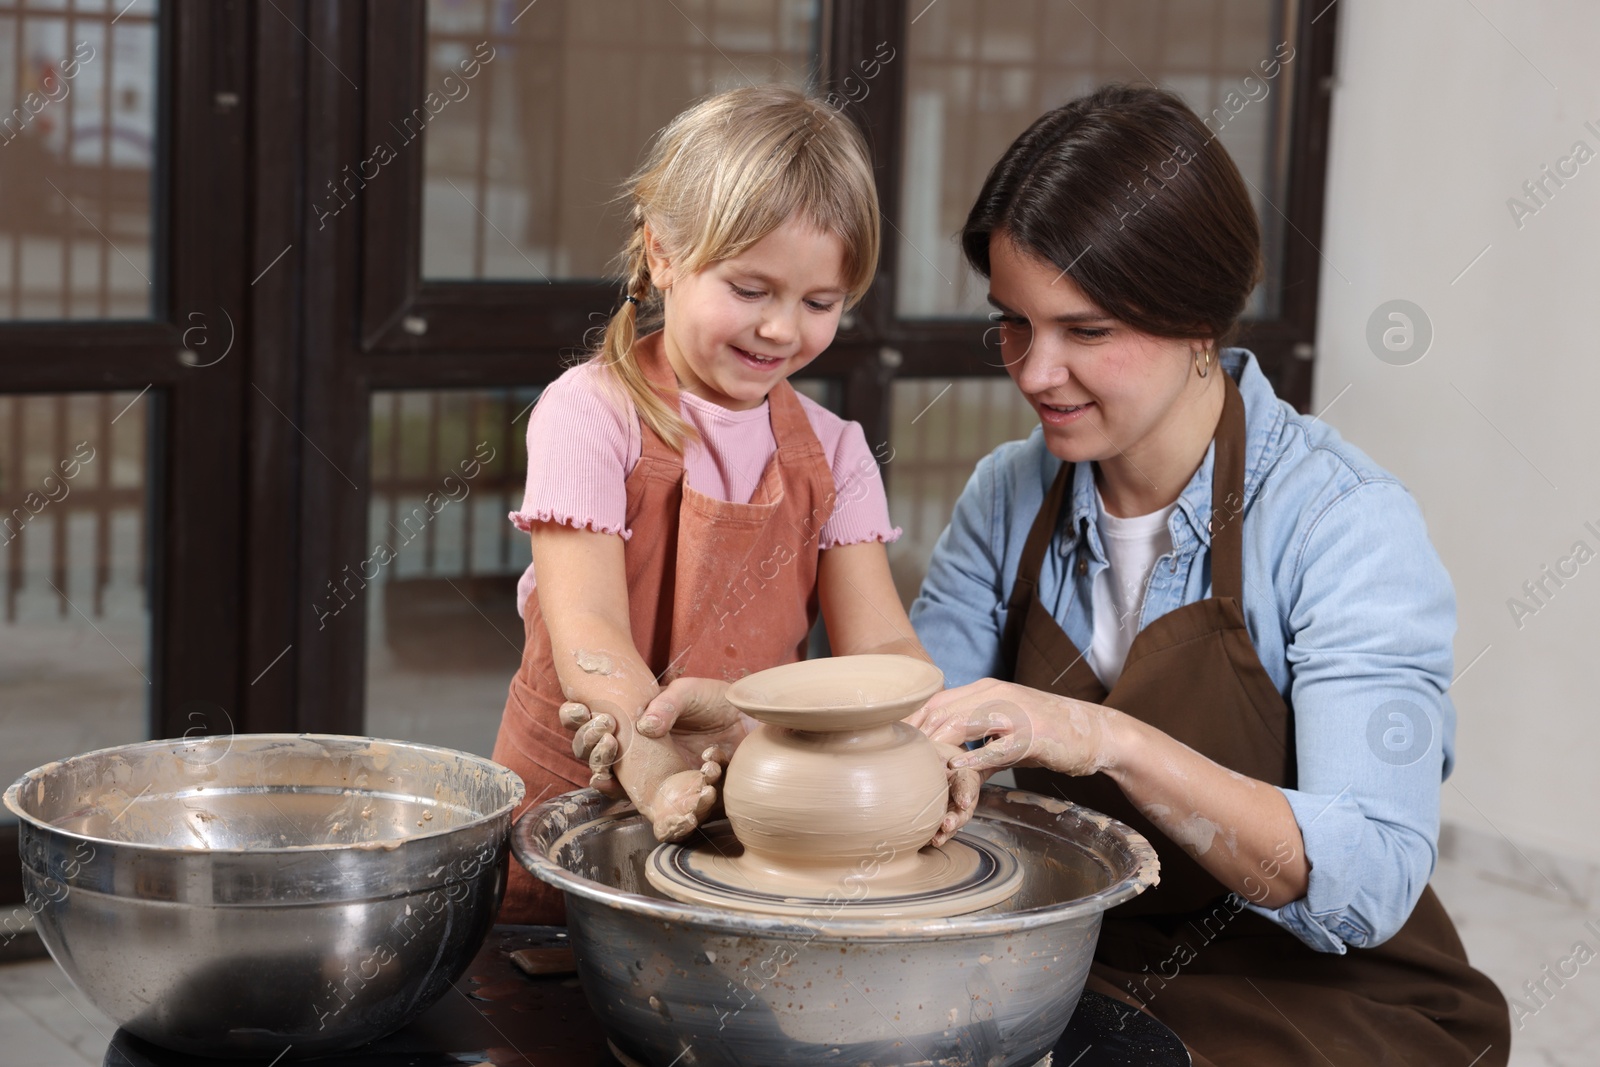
(1132, 547)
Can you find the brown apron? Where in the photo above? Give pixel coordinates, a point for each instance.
(715, 590)
(1236, 987)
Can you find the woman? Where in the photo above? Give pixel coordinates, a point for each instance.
(1182, 603)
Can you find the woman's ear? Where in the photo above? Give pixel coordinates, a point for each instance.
(656, 257)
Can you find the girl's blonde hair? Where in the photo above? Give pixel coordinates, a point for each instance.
(719, 178)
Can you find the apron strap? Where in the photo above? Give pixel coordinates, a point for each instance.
(1227, 483)
(791, 428)
(1040, 535)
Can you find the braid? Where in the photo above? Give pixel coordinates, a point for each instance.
(616, 348)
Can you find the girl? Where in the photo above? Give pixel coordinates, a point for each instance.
(690, 513)
(1186, 605)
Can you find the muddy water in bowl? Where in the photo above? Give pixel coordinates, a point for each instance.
(236, 895)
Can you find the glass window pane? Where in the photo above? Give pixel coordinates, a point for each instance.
(443, 634)
(542, 110)
(940, 430)
(77, 151)
(74, 604)
(979, 72)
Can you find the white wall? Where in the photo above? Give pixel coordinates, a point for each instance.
(1441, 110)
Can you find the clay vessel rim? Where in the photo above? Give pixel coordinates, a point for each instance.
(824, 694)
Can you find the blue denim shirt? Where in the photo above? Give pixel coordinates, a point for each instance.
(1348, 605)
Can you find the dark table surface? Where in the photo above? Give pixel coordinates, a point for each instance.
(498, 1015)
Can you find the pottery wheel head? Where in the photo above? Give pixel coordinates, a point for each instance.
(966, 874)
(841, 692)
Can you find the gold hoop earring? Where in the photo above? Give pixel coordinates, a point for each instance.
(1202, 369)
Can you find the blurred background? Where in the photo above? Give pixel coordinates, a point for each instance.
(272, 271)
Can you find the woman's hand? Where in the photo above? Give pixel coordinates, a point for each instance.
(692, 714)
(964, 786)
(1021, 726)
(1237, 828)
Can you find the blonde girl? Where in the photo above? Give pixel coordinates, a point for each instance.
(690, 513)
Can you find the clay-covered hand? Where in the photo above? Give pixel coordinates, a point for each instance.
(595, 743)
(690, 712)
(696, 714)
(964, 785)
(1021, 726)
(965, 782)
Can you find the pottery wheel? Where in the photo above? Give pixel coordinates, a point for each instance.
(967, 873)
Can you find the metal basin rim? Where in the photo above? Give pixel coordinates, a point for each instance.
(1142, 868)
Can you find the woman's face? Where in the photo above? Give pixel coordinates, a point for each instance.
(1101, 388)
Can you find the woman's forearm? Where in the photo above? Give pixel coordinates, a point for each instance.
(1239, 829)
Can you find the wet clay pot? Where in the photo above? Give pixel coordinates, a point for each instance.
(832, 780)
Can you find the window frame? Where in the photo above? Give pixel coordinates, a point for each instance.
(369, 320)
(195, 451)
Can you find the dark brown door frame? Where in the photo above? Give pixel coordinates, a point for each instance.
(276, 448)
(196, 462)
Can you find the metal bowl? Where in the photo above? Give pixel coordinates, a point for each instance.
(235, 896)
(678, 983)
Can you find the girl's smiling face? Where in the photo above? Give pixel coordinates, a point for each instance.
(1102, 389)
(736, 328)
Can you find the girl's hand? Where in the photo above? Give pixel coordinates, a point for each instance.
(690, 713)
(1020, 726)
(695, 713)
(594, 742)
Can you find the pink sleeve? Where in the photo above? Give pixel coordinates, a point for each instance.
(579, 455)
(860, 510)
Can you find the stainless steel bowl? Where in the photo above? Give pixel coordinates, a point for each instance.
(235, 896)
(680, 984)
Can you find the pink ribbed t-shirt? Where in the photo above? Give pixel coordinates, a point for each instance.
(584, 439)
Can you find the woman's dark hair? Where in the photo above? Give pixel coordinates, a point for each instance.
(1127, 191)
